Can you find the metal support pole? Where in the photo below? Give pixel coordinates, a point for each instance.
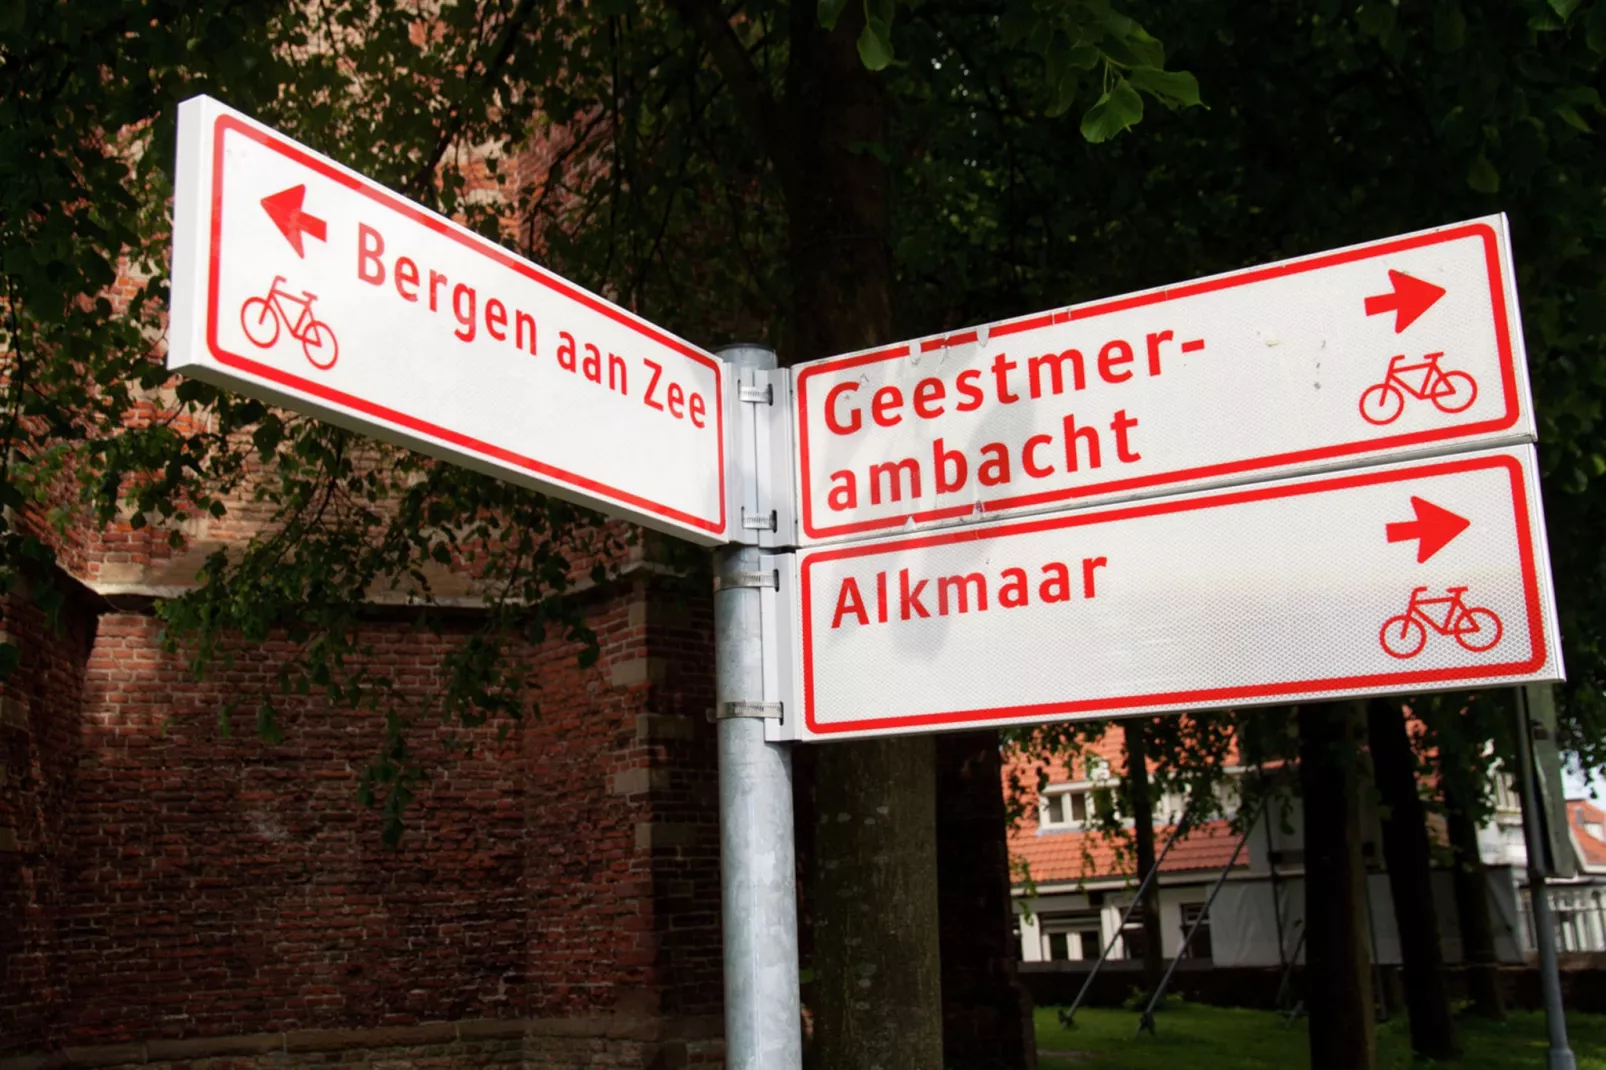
(1560, 1056)
(1146, 1020)
(757, 860)
(1067, 1015)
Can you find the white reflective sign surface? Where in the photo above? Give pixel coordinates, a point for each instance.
(1398, 348)
(1412, 577)
(300, 282)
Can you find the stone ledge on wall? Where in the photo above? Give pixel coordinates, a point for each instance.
(630, 1041)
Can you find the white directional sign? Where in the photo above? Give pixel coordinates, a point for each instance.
(1410, 577)
(1409, 346)
(300, 282)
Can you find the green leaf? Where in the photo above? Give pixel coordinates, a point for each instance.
(1173, 88)
(268, 724)
(1114, 112)
(830, 11)
(875, 42)
(1564, 8)
(1595, 27)
(10, 655)
(1570, 116)
(1482, 176)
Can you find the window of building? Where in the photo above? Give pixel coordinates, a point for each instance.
(1133, 941)
(1065, 809)
(1200, 947)
(1071, 936)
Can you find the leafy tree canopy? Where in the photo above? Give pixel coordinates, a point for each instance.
(1040, 152)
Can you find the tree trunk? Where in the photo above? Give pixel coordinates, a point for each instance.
(1136, 785)
(1406, 851)
(986, 1012)
(1481, 965)
(877, 978)
(873, 901)
(1338, 974)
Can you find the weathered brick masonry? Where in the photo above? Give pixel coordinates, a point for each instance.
(171, 896)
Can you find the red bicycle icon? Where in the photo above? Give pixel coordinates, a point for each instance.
(1383, 402)
(262, 317)
(1474, 627)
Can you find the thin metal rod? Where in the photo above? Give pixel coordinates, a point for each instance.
(1560, 1056)
(1147, 1018)
(757, 858)
(1067, 1015)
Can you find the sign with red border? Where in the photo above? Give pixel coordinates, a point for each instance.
(1412, 577)
(1405, 347)
(307, 285)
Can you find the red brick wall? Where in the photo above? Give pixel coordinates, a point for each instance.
(175, 883)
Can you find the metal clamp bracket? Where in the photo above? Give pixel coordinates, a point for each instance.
(767, 711)
(761, 522)
(756, 395)
(769, 580)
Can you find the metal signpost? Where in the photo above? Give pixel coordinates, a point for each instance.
(1307, 480)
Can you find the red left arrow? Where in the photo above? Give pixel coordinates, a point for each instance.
(284, 208)
(1434, 525)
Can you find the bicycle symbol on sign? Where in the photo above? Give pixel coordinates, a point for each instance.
(262, 317)
(1382, 403)
(1474, 627)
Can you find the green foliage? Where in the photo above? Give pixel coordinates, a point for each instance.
(1329, 124)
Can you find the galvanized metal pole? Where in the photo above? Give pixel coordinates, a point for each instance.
(762, 1010)
(1560, 1056)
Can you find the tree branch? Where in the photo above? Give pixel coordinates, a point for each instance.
(747, 84)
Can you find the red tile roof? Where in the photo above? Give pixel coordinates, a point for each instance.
(1057, 856)
(1592, 848)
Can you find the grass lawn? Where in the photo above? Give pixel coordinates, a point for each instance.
(1197, 1037)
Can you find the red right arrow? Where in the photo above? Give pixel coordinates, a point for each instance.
(1434, 525)
(1411, 297)
(284, 208)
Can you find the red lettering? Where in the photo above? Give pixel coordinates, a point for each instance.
(883, 407)
(495, 315)
(941, 459)
(1089, 435)
(848, 600)
(1089, 565)
(465, 316)
(1111, 357)
(1014, 591)
(909, 597)
(1121, 425)
(677, 400)
(406, 272)
(1156, 338)
(831, 421)
(657, 371)
(994, 471)
(844, 491)
(697, 410)
(1030, 451)
(436, 281)
(927, 391)
(370, 247)
(966, 385)
(1001, 370)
